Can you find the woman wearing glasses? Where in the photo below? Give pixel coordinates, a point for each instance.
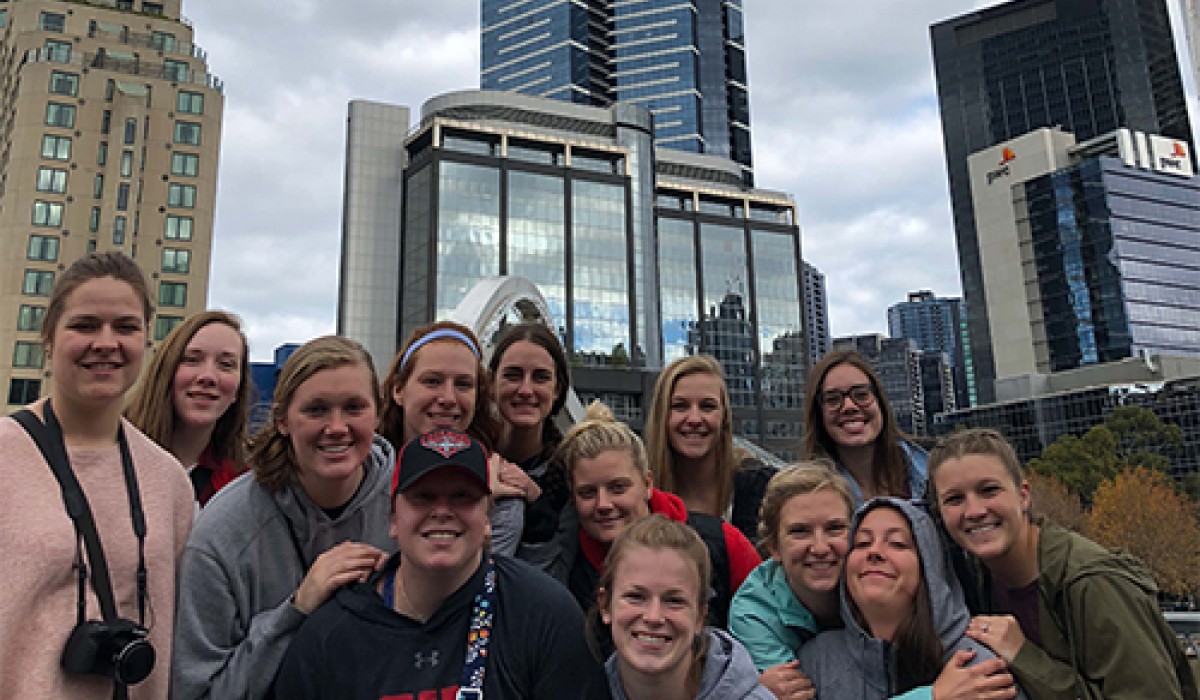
(848, 419)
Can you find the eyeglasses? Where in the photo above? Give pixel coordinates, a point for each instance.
(861, 394)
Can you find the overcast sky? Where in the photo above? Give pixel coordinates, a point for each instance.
(843, 109)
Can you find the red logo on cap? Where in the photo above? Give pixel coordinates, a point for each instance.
(445, 443)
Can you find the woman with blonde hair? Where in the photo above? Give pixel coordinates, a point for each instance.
(612, 488)
(848, 419)
(273, 548)
(653, 597)
(194, 399)
(689, 435)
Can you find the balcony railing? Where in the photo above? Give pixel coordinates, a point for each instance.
(105, 61)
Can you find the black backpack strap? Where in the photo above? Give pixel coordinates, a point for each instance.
(50, 442)
(712, 530)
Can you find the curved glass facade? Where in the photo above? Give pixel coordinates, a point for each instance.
(600, 320)
(537, 235)
(468, 233)
(781, 345)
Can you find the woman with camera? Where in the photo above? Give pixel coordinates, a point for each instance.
(88, 602)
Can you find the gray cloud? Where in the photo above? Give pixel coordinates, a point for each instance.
(842, 101)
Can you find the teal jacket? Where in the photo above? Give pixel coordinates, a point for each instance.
(768, 619)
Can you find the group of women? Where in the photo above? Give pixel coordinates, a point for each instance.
(857, 597)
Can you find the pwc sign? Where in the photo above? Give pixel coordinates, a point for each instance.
(1006, 156)
(1170, 156)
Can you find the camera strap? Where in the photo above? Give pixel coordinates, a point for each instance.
(49, 440)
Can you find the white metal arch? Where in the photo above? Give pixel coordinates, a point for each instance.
(496, 301)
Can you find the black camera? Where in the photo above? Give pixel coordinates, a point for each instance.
(115, 649)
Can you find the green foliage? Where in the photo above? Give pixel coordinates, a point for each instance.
(1131, 436)
(1081, 463)
(620, 356)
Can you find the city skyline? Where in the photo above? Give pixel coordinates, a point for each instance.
(855, 138)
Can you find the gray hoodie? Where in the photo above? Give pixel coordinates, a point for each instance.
(850, 663)
(729, 673)
(246, 555)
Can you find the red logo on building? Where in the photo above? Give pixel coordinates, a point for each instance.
(1180, 151)
(1007, 155)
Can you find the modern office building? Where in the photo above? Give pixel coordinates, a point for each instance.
(937, 325)
(111, 131)
(1090, 252)
(1089, 66)
(897, 361)
(643, 254)
(816, 313)
(683, 61)
(1033, 416)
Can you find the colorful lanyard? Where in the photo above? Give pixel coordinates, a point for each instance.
(483, 613)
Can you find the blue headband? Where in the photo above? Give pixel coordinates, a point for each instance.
(436, 335)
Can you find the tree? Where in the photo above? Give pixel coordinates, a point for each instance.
(1053, 500)
(1143, 440)
(1081, 463)
(1140, 511)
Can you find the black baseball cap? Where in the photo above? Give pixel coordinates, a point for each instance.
(435, 450)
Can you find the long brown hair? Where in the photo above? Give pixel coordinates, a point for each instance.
(917, 646)
(152, 408)
(484, 425)
(889, 468)
(271, 453)
(662, 457)
(540, 335)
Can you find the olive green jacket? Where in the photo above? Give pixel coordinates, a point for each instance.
(1102, 633)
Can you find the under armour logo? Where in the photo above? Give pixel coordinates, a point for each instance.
(432, 659)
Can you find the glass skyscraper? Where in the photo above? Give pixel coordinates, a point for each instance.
(937, 324)
(1089, 66)
(683, 61)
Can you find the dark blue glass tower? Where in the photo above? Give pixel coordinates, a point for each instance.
(683, 61)
(1088, 66)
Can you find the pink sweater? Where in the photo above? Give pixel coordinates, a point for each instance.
(38, 586)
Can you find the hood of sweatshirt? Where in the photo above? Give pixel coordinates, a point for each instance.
(311, 527)
(729, 673)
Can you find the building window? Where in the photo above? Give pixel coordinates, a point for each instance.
(98, 186)
(27, 355)
(51, 22)
(123, 196)
(47, 213)
(60, 115)
(30, 317)
(94, 220)
(105, 121)
(3, 17)
(130, 130)
(185, 164)
(38, 283)
(64, 83)
(124, 4)
(102, 153)
(181, 196)
(162, 41)
(44, 248)
(175, 70)
(179, 228)
(153, 8)
(119, 230)
(163, 325)
(176, 260)
(56, 147)
(187, 133)
(57, 51)
(52, 180)
(172, 293)
(189, 103)
(22, 391)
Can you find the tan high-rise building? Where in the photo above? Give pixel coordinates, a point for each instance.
(111, 129)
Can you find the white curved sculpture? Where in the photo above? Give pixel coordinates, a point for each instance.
(494, 301)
